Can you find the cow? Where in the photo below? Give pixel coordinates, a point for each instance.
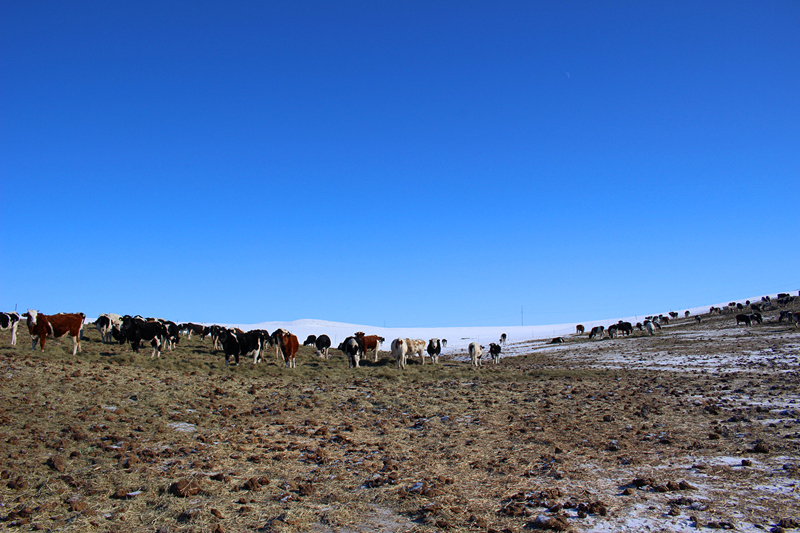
(10, 321)
(697, 318)
(173, 333)
(579, 329)
(475, 353)
(352, 350)
(650, 326)
(236, 344)
(494, 352)
(369, 342)
(135, 330)
(662, 319)
(743, 319)
(756, 317)
(400, 352)
(434, 349)
(311, 340)
(54, 326)
(686, 314)
(612, 331)
(503, 338)
(673, 314)
(196, 329)
(402, 349)
(105, 323)
(276, 341)
(639, 326)
(288, 345)
(323, 344)
(555, 340)
(597, 331)
(787, 315)
(624, 327)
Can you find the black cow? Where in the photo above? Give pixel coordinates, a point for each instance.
(673, 314)
(434, 349)
(557, 340)
(244, 343)
(756, 317)
(625, 327)
(597, 331)
(612, 330)
(135, 330)
(503, 338)
(352, 350)
(743, 319)
(494, 352)
(10, 321)
(311, 340)
(323, 344)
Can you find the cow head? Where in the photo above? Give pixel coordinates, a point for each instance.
(32, 317)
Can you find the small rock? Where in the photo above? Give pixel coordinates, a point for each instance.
(186, 487)
(56, 462)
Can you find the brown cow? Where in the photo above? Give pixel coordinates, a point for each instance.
(42, 326)
(579, 329)
(369, 342)
(288, 344)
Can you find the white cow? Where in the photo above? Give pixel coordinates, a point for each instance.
(475, 353)
(403, 348)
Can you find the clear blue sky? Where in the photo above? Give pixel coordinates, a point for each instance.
(409, 163)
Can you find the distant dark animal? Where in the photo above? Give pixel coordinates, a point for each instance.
(625, 328)
(743, 319)
(10, 321)
(787, 315)
(579, 329)
(311, 340)
(194, 329)
(686, 314)
(288, 345)
(639, 326)
(434, 349)
(475, 353)
(444, 343)
(739, 307)
(557, 340)
(650, 326)
(783, 295)
(42, 326)
(612, 331)
(369, 342)
(494, 352)
(697, 318)
(662, 319)
(352, 350)
(756, 317)
(597, 331)
(136, 329)
(755, 307)
(673, 314)
(215, 331)
(323, 344)
(503, 338)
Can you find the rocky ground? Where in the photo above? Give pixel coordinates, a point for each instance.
(696, 427)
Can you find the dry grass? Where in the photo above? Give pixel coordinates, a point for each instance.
(114, 441)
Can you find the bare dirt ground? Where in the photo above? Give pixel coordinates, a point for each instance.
(697, 427)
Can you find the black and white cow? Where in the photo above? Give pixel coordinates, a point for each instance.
(135, 330)
(10, 321)
(434, 349)
(323, 345)
(475, 353)
(245, 343)
(352, 350)
(612, 331)
(503, 338)
(105, 323)
(597, 331)
(650, 326)
(494, 352)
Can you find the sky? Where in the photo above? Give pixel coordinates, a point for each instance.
(397, 164)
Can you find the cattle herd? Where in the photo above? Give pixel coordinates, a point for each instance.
(235, 343)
